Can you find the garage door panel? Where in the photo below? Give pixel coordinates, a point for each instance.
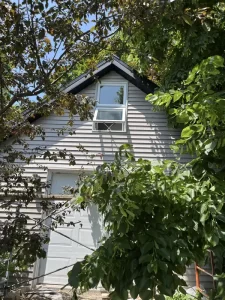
(55, 246)
(85, 217)
(59, 262)
(58, 277)
(89, 237)
(62, 251)
(58, 239)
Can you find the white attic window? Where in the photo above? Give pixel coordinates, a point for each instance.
(110, 111)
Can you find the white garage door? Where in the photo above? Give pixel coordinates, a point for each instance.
(61, 251)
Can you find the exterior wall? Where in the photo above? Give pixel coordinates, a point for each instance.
(147, 131)
(34, 212)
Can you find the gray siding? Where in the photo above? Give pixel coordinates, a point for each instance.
(34, 212)
(147, 131)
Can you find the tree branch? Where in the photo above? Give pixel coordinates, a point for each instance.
(33, 37)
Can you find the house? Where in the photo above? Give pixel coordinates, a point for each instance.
(121, 116)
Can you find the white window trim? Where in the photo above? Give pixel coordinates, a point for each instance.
(105, 108)
(112, 107)
(125, 89)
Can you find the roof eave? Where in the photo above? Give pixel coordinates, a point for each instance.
(142, 82)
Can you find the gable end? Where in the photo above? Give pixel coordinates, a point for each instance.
(141, 82)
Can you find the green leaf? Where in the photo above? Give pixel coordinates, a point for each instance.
(204, 208)
(191, 75)
(160, 98)
(160, 297)
(147, 247)
(221, 217)
(123, 295)
(182, 290)
(164, 99)
(73, 275)
(153, 266)
(206, 26)
(217, 60)
(41, 6)
(177, 95)
(41, 34)
(164, 253)
(79, 200)
(130, 57)
(161, 240)
(130, 213)
(163, 266)
(214, 240)
(134, 264)
(122, 211)
(105, 284)
(125, 147)
(145, 258)
(133, 205)
(144, 283)
(187, 132)
(187, 19)
(204, 217)
(92, 29)
(125, 243)
(134, 292)
(151, 97)
(146, 294)
(114, 296)
(143, 238)
(210, 146)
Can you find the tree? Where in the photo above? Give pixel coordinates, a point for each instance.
(158, 219)
(179, 45)
(198, 107)
(171, 38)
(41, 41)
(188, 61)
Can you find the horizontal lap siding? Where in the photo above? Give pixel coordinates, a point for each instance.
(147, 131)
(34, 212)
(205, 280)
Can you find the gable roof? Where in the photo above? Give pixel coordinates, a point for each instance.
(82, 81)
(104, 67)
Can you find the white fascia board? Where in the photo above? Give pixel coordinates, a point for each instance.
(121, 67)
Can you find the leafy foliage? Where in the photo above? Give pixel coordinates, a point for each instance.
(153, 215)
(179, 296)
(173, 36)
(158, 220)
(180, 45)
(198, 107)
(41, 41)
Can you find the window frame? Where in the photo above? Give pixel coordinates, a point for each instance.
(105, 83)
(53, 170)
(111, 107)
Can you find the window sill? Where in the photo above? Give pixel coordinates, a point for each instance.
(109, 131)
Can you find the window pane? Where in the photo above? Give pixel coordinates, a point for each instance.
(109, 126)
(60, 180)
(111, 94)
(109, 115)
